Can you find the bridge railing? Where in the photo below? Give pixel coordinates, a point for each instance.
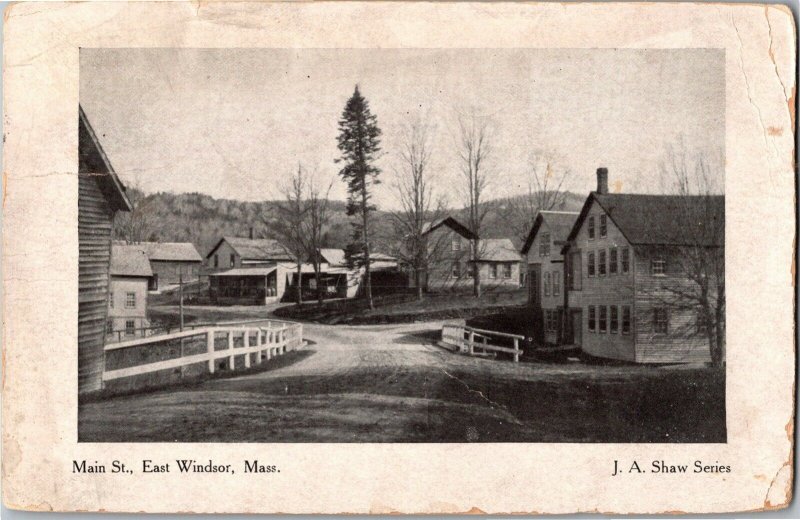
(193, 353)
(474, 341)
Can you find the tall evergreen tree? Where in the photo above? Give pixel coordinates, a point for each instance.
(359, 143)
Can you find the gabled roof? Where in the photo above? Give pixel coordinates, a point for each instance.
(262, 249)
(453, 224)
(669, 220)
(171, 251)
(498, 250)
(129, 261)
(558, 222)
(93, 160)
(334, 257)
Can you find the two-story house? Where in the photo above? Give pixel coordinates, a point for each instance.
(127, 301)
(452, 264)
(545, 278)
(636, 275)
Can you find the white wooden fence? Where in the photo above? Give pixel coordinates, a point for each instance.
(473, 341)
(269, 339)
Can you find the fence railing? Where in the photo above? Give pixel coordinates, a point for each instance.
(474, 341)
(193, 352)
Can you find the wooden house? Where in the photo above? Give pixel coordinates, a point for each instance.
(171, 262)
(451, 264)
(127, 302)
(254, 271)
(631, 287)
(100, 195)
(545, 276)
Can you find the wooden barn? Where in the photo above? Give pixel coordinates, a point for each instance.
(100, 195)
(171, 262)
(639, 268)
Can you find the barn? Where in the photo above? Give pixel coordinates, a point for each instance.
(100, 195)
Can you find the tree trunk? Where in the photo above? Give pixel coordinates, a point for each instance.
(364, 221)
(298, 294)
(418, 282)
(317, 273)
(476, 278)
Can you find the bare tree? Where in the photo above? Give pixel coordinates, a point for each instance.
(545, 192)
(138, 224)
(418, 205)
(473, 146)
(288, 224)
(701, 260)
(315, 223)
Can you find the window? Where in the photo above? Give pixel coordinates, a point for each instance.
(702, 322)
(556, 283)
(493, 271)
(233, 260)
(590, 265)
(591, 228)
(130, 328)
(109, 326)
(603, 318)
(111, 299)
(592, 324)
(130, 300)
(547, 284)
(544, 245)
(456, 245)
(660, 320)
(626, 260)
(658, 266)
(471, 270)
(506, 270)
(601, 262)
(626, 319)
(456, 269)
(612, 261)
(216, 260)
(603, 226)
(614, 311)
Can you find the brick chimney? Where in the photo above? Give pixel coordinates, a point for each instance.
(602, 180)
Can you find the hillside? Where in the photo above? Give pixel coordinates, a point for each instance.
(202, 219)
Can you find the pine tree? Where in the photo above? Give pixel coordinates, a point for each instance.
(359, 142)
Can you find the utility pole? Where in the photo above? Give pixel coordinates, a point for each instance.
(180, 289)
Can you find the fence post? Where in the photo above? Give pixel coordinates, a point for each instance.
(258, 346)
(471, 343)
(231, 356)
(246, 347)
(210, 350)
(516, 350)
(268, 350)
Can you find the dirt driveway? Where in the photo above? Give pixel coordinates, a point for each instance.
(390, 383)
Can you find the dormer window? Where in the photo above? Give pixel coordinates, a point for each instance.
(591, 228)
(603, 226)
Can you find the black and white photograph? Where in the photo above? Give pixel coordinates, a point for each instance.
(401, 245)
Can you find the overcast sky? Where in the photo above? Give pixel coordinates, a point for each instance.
(232, 122)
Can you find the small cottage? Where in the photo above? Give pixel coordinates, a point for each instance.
(127, 301)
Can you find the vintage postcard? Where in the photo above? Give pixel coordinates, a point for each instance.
(398, 257)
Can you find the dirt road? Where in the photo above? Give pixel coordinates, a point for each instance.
(390, 383)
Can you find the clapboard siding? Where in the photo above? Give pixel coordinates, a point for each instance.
(94, 245)
(682, 343)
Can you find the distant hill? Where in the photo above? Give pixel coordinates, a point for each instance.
(203, 220)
